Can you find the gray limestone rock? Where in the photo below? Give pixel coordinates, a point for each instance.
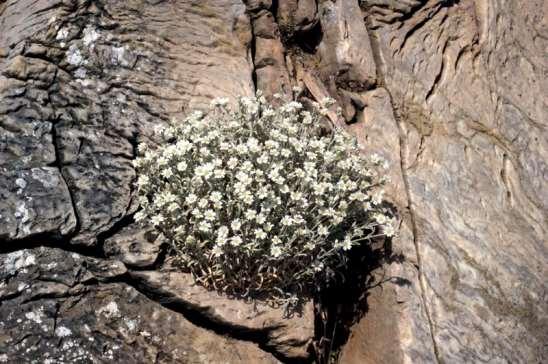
(51, 313)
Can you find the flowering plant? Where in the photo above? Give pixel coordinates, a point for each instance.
(258, 201)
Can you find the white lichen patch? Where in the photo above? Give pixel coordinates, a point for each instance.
(51, 265)
(80, 73)
(118, 56)
(74, 56)
(22, 286)
(131, 324)
(63, 331)
(45, 177)
(21, 183)
(62, 34)
(110, 310)
(90, 36)
(21, 212)
(17, 261)
(34, 316)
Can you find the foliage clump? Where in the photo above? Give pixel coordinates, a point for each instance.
(258, 201)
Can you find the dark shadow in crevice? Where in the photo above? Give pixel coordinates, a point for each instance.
(340, 306)
(309, 40)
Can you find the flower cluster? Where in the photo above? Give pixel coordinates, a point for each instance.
(258, 200)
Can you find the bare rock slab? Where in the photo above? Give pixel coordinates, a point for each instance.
(289, 337)
(345, 48)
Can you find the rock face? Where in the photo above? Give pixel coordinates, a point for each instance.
(452, 93)
(473, 157)
(289, 337)
(54, 312)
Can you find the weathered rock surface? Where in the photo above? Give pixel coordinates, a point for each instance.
(34, 201)
(134, 246)
(53, 312)
(289, 337)
(345, 51)
(452, 93)
(474, 160)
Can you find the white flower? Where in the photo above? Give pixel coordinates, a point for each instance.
(143, 181)
(276, 251)
(253, 145)
(222, 231)
(287, 221)
(309, 167)
(247, 198)
(159, 129)
(318, 266)
(157, 220)
(263, 159)
(260, 219)
(190, 199)
(232, 163)
(327, 101)
(262, 193)
(162, 161)
(181, 166)
(219, 173)
(219, 102)
(140, 215)
(205, 170)
(323, 230)
(215, 197)
(347, 243)
(172, 207)
(217, 251)
(296, 196)
(210, 215)
(167, 173)
(380, 218)
(243, 178)
(222, 234)
(239, 188)
(260, 234)
(204, 226)
(142, 147)
(242, 149)
(284, 189)
(236, 225)
(202, 203)
(250, 214)
(389, 230)
(376, 159)
(183, 146)
(236, 241)
(307, 118)
(377, 198)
